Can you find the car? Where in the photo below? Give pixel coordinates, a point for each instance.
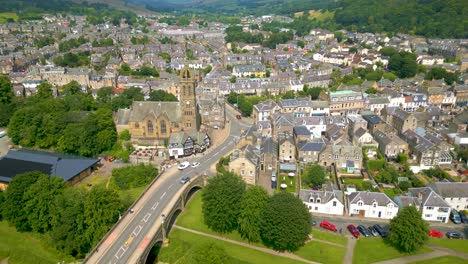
(216, 127)
(238, 117)
(314, 223)
(454, 235)
(373, 231)
(463, 217)
(327, 225)
(353, 230)
(195, 164)
(185, 179)
(364, 231)
(184, 165)
(455, 217)
(380, 230)
(435, 233)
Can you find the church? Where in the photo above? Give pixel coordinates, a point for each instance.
(152, 123)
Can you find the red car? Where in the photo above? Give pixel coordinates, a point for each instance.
(353, 230)
(328, 225)
(435, 233)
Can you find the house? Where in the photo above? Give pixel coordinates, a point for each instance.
(345, 102)
(268, 157)
(183, 144)
(287, 149)
(301, 133)
(309, 151)
(427, 153)
(400, 119)
(454, 193)
(362, 137)
(212, 111)
(282, 124)
(432, 206)
(323, 202)
(374, 123)
(390, 145)
(343, 155)
(263, 110)
(247, 70)
(244, 162)
(315, 124)
(71, 169)
(354, 123)
(372, 204)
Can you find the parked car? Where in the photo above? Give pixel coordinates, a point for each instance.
(184, 165)
(195, 164)
(364, 231)
(238, 117)
(454, 235)
(455, 217)
(435, 233)
(373, 231)
(314, 223)
(380, 230)
(353, 230)
(463, 217)
(328, 225)
(185, 179)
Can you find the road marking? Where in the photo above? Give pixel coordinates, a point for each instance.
(223, 148)
(162, 196)
(155, 206)
(216, 153)
(121, 249)
(147, 216)
(170, 186)
(137, 230)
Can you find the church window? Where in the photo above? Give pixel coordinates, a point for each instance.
(162, 124)
(150, 127)
(137, 125)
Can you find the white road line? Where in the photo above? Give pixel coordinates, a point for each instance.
(137, 230)
(223, 148)
(216, 153)
(118, 256)
(147, 216)
(170, 186)
(155, 206)
(162, 196)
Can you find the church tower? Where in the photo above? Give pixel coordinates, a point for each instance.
(190, 115)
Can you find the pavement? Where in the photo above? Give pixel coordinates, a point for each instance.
(129, 234)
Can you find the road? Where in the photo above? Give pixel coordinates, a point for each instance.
(342, 222)
(120, 244)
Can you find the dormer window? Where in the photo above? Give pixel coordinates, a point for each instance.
(360, 203)
(374, 205)
(390, 205)
(318, 200)
(311, 200)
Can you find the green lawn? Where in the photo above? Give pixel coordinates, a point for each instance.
(180, 244)
(455, 244)
(357, 181)
(321, 252)
(329, 237)
(25, 248)
(442, 260)
(5, 16)
(289, 181)
(369, 250)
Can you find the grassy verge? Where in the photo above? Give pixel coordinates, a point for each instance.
(369, 250)
(442, 260)
(329, 237)
(321, 252)
(25, 248)
(93, 180)
(181, 243)
(455, 244)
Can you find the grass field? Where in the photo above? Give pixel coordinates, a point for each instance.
(317, 14)
(442, 260)
(181, 243)
(455, 244)
(5, 16)
(329, 237)
(321, 252)
(93, 180)
(25, 248)
(369, 250)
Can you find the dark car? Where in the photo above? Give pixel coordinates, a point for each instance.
(373, 231)
(364, 231)
(463, 217)
(454, 235)
(455, 217)
(352, 229)
(381, 231)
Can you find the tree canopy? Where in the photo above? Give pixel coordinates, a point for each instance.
(222, 202)
(408, 231)
(133, 176)
(403, 64)
(209, 253)
(161, 95)
(314, 175)
(252, 204)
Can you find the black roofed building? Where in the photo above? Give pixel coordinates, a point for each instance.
(71, 169)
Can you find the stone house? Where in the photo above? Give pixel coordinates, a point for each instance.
(244, 162)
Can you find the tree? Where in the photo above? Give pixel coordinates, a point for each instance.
(403, 64)
(285, 222)
(72, 88)
(408, 231)
(2, 200)
(125, 135)
(44, 90)
(209, 253)
(402, 158)
(314, 175)
(104, 95)
(221, 202)
(13, 208)
(252, 204)
(6, 90)
(161, 96)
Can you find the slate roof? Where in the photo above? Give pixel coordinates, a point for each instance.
(429, 197)
(404, 201)
(315, 146)
(267, 105)
(21, 161)
(269, 146)
(373, 119)
(325, 196)
(450, 189)
(301, 131)
(398, 112)
(360, 132)
(141, 109)
(369, 198)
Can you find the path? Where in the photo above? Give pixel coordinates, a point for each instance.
(348, 258)
(438, 252)
(325, 242)
(266, 250)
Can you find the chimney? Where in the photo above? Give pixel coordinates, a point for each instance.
(420, 196)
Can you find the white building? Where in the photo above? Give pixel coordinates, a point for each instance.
(323, 202)
(454, 193)
(372, 204)
(432, 206)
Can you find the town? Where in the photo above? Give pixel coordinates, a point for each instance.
(356, 125)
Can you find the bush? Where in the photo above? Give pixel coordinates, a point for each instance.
(133, 176)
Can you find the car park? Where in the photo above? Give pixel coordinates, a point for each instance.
(363, 231)
(195, 164)
(184, 165)
(353, 230)
(435, 233)
(185, 179)
(373, 231)
(454, 235)
(455, 217)
(327, 225)
(380, 230)
(463, 217)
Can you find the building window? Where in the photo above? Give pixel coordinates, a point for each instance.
(429, 208)
(427, 215)
(150, 127)
(137, 125)
(311, 200)
(374, 205)
(318, 200)
(334, 203)
(360, 203)
(316, 208)
(162, 124)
